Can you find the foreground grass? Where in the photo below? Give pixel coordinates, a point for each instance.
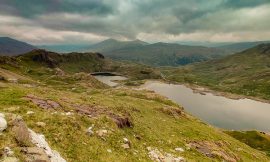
(67, 134)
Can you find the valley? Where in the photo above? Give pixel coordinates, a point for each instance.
(87, 107)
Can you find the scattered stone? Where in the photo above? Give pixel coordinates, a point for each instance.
(179, 149)
(109, 150)
(39, 141)
(41, 124)
(126, 140)
(125, 146)
(45, 104)
(157, 156)
(90, 131)
(59, 72)
(30, 112)
(69, 113)
(138, 137)
(3, 122)
(8, 152)
(102, 132)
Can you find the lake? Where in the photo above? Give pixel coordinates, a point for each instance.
(222, 112)
(109, 80)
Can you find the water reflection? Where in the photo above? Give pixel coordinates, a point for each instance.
(244, 114)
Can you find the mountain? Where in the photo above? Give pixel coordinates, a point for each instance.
(52, 109)
(241, 46)
(246, 73)
(157, 54)
(64, 48)
(111, 45)
(11, 47)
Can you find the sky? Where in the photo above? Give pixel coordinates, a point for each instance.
(90, 21)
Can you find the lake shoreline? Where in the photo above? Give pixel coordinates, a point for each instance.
(204, 89)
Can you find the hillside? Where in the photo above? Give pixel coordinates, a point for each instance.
(246, 73)
(109, 45)
(157, 54)
(241, 46)
(84, 120)
(11, 47)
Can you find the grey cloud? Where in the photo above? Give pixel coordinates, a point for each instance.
(129, 18)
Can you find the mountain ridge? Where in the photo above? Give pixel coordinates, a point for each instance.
(12, 47)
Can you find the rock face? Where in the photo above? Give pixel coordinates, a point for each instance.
(40, 142)
(3, 122)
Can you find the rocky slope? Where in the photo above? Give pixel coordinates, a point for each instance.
(78, 121)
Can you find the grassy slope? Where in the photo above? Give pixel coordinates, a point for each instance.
(254, 139)
(246, 73)
(67, 134)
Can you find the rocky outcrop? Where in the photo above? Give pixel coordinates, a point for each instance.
(40, 142)
(43, 103)
(214, 149)
(156, 156)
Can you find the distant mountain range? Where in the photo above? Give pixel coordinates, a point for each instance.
(11, 47)
(157, 54)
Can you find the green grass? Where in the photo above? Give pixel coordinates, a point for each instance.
(254, 139)
(157, 127)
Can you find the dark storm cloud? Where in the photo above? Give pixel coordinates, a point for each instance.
(31, 8)
(130, 19)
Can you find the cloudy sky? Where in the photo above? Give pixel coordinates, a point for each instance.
(83, 21)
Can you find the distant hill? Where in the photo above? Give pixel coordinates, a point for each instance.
(247, 73)
(157, 54)
(109, 45)
(241, 46)
(11, 47)
(65, 48)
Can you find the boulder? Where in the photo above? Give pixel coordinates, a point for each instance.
(3, 122)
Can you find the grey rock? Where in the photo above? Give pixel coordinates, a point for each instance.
(3, 122)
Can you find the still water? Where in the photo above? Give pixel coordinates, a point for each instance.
(109, 80)
(243, 114)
